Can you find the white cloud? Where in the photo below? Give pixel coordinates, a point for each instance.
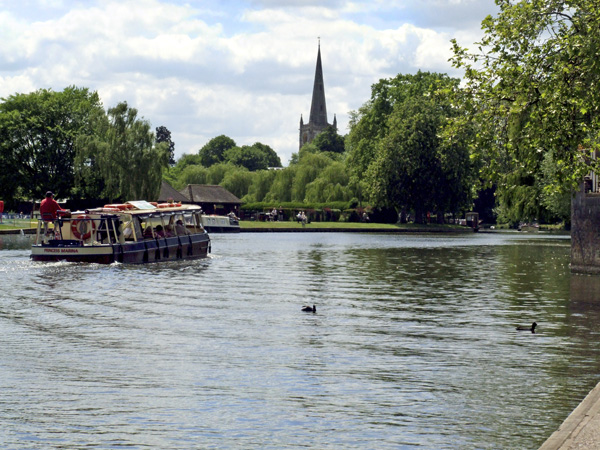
(242, 69)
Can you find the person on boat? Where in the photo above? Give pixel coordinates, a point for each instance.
(148, 232)
(159, 231)
(169, 231)
(48, 210)
(180, 228)
(49, 207)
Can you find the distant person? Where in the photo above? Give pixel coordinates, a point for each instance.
(49, 207)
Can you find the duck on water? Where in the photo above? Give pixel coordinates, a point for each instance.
(312, 308)
(531, 328)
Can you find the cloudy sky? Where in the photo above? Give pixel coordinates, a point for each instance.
(243, 68)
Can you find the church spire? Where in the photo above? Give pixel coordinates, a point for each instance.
(317, 121)
(318, 108)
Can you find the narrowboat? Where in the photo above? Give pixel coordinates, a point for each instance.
(135, 232)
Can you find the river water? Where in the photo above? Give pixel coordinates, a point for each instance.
(413, 345)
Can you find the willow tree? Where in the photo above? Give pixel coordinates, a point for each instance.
(125, 154)
(533, 90)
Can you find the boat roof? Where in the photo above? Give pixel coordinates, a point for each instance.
(144, 208)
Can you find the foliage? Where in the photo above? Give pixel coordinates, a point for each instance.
(329, 140)
(307, 170)
(281, 189)
(532, 85)
(330, 185)
(237, 181)
(402, 151)
(37, 146)
(192, 175)
(164, 135)
(256, 157)
(260, 186)
(123, 153)
(213, 152)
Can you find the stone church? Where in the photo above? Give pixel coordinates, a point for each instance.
(317, 120)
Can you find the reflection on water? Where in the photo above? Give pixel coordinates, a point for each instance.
(414, 345)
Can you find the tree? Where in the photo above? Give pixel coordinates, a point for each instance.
(330, 185)
(193, 174)
(533, 88)
(213, 152)
(329, 141)
(164, 135)
(256, 157)
(403, 153)
(308, 169)
(281, 189)
(38, 132)
(261, 185)
(125, 154)
(237, 181)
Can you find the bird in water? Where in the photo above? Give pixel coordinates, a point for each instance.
(531, 328)
(312, 308)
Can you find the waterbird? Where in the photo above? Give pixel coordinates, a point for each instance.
(312, 308)
(531, 328)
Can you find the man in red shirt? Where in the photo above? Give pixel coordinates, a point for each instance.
(48, 207)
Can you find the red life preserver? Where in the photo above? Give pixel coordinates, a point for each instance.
(79, 227)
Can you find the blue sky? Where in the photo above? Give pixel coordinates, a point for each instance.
(245, 69)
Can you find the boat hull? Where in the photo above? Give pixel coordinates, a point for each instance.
(141, 252)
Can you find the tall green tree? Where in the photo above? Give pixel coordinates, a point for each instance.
(533, 88)
(401, 151)
(125, 153)
(38, 132)
(164, 135)
(255, 157)
(213, 152)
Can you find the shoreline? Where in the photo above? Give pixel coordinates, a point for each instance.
(352, 230)
(581, 429)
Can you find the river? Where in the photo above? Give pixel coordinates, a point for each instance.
(413, 345)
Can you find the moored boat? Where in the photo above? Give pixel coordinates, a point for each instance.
(221, 224)
(135, 232)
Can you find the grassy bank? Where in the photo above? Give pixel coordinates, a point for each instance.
(245, 224)
(17, 224)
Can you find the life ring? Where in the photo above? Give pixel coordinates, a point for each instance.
(80, 228)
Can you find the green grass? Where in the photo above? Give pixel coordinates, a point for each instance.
(342, 225)
(17, 224)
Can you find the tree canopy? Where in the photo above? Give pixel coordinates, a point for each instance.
(399, 149)
(253, 157)
(532, 87)
(164, 135)
(37, 140)
(213, 152)
(124, 152)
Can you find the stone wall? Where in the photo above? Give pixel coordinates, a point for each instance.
(585, 232)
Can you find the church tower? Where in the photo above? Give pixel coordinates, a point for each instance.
(317, 120)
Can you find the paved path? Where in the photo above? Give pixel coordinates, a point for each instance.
(581, 430)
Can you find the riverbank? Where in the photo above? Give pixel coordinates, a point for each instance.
(348, 227)
(581, 430)
(333, 227)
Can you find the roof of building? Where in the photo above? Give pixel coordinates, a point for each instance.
(168, 192)
(207, 193)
